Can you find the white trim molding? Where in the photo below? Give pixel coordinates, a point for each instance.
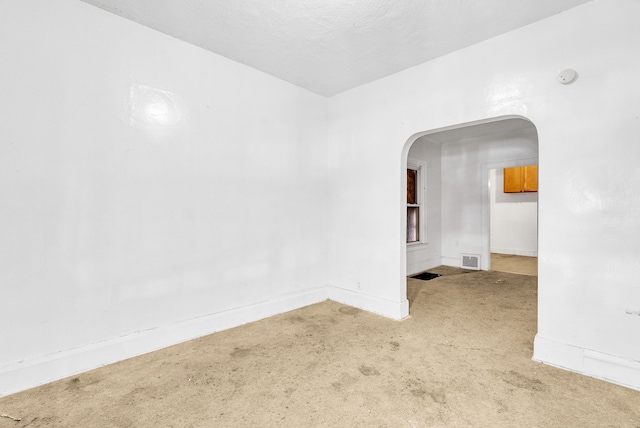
(390, 309)
(22, 375)
(27, 374)
(611, 368)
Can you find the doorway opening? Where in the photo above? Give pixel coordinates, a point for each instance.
(513, 225)
(454, 197)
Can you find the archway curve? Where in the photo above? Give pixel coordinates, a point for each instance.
(412, 139)
(459, 132)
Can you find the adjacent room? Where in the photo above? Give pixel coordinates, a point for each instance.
(205, 218)
(459, 213)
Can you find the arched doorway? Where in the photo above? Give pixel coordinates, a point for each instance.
(453, 167)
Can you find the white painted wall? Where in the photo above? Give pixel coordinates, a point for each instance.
(126, 228)
(151, 191)
(465, 188)
(588, 204)
(514, 219)
(426, 255)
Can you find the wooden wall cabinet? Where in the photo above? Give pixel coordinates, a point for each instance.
(521, 179)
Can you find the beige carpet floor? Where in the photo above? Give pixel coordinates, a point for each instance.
(462, 359)
(514, 264)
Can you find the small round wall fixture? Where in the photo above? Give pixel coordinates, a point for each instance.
(567, 76)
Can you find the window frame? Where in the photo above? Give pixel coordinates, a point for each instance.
(421, 171)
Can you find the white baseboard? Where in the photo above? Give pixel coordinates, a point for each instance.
(596, 364)
(16, 377)
(515, 252)
(23, 375)
(387, 308)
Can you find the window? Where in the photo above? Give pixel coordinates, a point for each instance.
(415, 206)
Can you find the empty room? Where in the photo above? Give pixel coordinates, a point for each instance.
(211, 213)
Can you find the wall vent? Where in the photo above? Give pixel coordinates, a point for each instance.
(471, 261)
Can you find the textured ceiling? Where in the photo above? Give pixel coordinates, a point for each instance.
(329, 46)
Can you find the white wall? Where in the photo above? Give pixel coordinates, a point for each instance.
(155, 192)
(152, 191)
(514, 219)
(588, 206)
(465, 188)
